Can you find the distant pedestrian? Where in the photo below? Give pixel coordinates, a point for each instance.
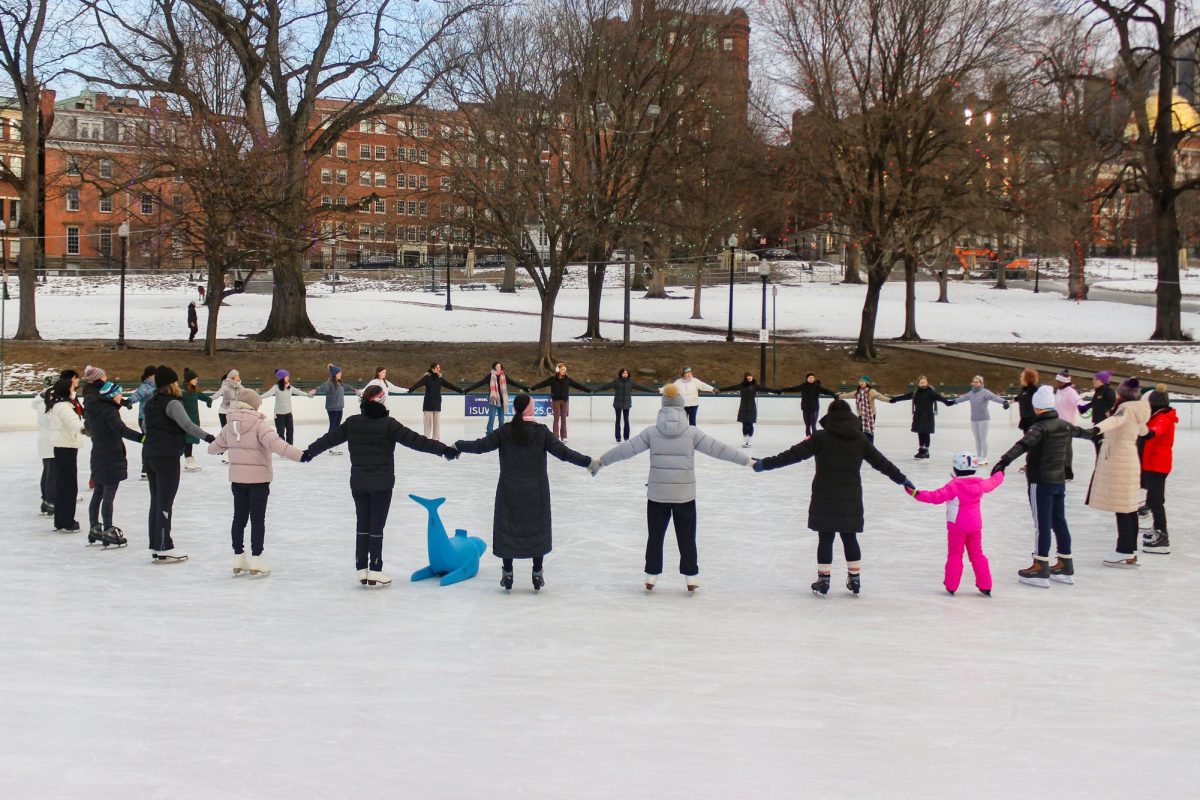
(193, 322)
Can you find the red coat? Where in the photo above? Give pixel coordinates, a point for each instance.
(1156, 453)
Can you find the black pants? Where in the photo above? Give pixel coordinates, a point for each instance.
(1048, 501)
(658, 515)
(66, 485)
(142, 428)
(187, 449)
(1127, 533)
(101, 507)
(1155, 484)
(193, 331)
(49, 480)
(747, 429)
(1069, 467)
(810, 421)
(163, 474)
(249, 504)
(335, 417)
(223, 418)
(622, 414)
(537, 564)
(849, 547)
(284, 427)
(691, 412)
(371, 509)
(923, 440)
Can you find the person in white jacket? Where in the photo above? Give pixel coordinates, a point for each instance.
(690, 387)
(66, 435)
(45, 449)
(671, 489)
(382, 382)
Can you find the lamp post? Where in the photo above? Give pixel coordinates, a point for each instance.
(449, 307)
(764, 270)
(123, 235)
(1037, 274)
(625, 330)
(733, 240)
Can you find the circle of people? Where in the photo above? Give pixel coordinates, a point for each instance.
(1133, 437)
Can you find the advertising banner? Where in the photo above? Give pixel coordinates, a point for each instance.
(476, 405)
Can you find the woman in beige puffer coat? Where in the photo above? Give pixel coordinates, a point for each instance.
(1117, 479)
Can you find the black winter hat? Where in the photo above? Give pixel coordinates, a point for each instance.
(189, 375)
(164, 376)
(1159, 397)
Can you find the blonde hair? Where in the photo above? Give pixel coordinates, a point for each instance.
(978, 378)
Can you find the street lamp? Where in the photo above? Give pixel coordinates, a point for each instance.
(764, 272)
(123, 235)
(448, 306)
(733, 240)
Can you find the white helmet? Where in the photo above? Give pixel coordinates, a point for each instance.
(965, 462)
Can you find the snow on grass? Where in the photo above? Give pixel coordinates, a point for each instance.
(1183, 358)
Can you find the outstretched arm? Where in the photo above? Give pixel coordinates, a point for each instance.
(448, 385)
(517, 383)
(534, 387)
(400, 434)
(793, 455)
(332, 439)
(556, 448)
(627, 449)
(938, 496)
(485, 445)
(476, 385)
(900, 398)
(178, 415)
(647, 389)
(715, 448)
(879, 461)
(577, 385)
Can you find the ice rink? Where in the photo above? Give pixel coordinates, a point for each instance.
(124, 679)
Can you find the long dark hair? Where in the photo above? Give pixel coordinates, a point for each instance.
(625, 370)
(61, 391)
(520, 428)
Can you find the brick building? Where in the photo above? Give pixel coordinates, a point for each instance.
(12, 155)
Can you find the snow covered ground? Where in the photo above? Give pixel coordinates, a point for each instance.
(1181, 358)
(1137, 275)
(977, 313)
(124, 679)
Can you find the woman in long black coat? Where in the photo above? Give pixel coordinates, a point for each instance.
(749, 389)
(836, 504)
(924, 413)
(110, 466)
(521, 526)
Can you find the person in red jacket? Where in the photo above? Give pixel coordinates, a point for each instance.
(1156, 465)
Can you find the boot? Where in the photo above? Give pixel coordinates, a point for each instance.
(1037, 574)
(539, 579)
(854, 582)
(47, 509)
(362, 576)
(240, 564)
(376, 578)
(650, 581)
(70, 527)
(258, 566)
(1124, 560)
(1158, 543)
(986, 592)
(506, 579)
(94, 533)
(1063, 570)
(693, 583)
(820, 587)
(190, 465)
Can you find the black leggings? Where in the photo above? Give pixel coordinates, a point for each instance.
(187, 449)
(163, 474)
(249, 505)
(371, 509)
(1127, 533)
(923, 440)
(658, 515)
(101, 506)
(810, 421)
(1155, 484)
(537, 564)
(49, 480)
(335, 417)
(223, 418)
(622, 414)
(284, 427)
(66, 485)
(825, 547)
(747, 429)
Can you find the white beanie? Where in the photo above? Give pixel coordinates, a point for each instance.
(1043, 398)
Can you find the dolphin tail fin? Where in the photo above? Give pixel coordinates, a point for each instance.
(429, 504)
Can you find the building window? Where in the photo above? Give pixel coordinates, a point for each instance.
(566, 144)
(72, 240)
(412, 154)
(423, 209)
(445, 132)
(423, 156)
(380, 125)
(399, 206)
(380, 233)
(381, 179)
(341, 202)
(380, 206)
(327, 176)
(72, 165)
(73, 200)
(364, 151)
(412, 234)
(17, 165)
(727, 44)
(400, 181)
(445, 183)
(106, 168)
(412, 208)
(380, 153)
(445, 158)
(341, 177)
(412, 181)
(424, 181)
(364, 179)
(422, 129)
(14, 132)
(326, 201)
(105, 241)
(400, 154)
(89, 130)
(341, 150)
(106, 204)
(364, 231)
(364, 126)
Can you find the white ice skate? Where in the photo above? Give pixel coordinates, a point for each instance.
(650, 581)
(746, 443)
(983, 462)
(190, 465)
(258, 566)
(172, 556)
(1123, 560)
(362, 577)
(224, 458)
(693, 582)
(378, 578)
(240, 564)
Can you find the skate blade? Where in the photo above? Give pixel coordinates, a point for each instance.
(237, 572)
(1122, 564)
(106, 545)
(376, 584)
(262, 573)
(172, 560)
(1158, 551)
(1067, 579)
(822, 595)
(1041, 583)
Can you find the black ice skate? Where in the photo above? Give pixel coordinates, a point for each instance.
(854, 581)
(539, 580)
(70, 527)
(821, 586)
(1159, 543)
(1063, 570)
(986, 592)
(1036, 574)
(506, 580)
(47, 509)
(94, 531)
(109, 537)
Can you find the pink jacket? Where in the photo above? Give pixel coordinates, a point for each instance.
(250, 439)
(962, 497)
(1066, 403)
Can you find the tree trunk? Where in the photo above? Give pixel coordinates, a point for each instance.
(595, 282)
(289, 320)
(866, 351)
(658, 281)
(216, 257)
(1077, 286)
(639, 281)
(1167, 323)
(545, 360)
(910, 299)
(1001, 271)
(851, 273)
(509, 284)
(943, 279)
(29, 229)
(699, 289)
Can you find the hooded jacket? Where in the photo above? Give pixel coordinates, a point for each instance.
(979, 399)
(109, 463)
(839, 449)
(673, 445)
(45, 449)
(250, 440)
(1160, 441)
(227, 394)
(66, 424)
(1046, 444)
(1066, 403)
(1116, 482)
(962, 496)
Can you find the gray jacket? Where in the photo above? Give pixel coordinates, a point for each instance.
(672, 444)
(283, 398)
(979, 399)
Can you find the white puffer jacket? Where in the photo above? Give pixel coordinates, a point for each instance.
(673, 444)
(690, 390)
(45, 449)
(66, 427)
(1117, 479)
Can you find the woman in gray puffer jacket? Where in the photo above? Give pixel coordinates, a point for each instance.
(671, 490)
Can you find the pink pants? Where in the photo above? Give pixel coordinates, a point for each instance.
(559, 409)
(973, 542)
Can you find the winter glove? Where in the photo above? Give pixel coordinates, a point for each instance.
(909, 487)
(306, 457)
(757, 465)
(1001, 465)
(1005, 405)
(209, 439)
(450, 454)
(594, 466)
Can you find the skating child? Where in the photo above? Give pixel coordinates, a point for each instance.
(864, 398)
(747, 414)
(110, 466)
(964, 521)
(372, 436)
(836, 502)
(810, 400)
(671, 489)
(431, 406)
(690, 387)
(1157, 446)
(249, 441)
(283, 392)
(560, 397)
(497, 382)
(334, 392)
(66, 437)
(622, 388)
(192, 397)
(979, 396)
(924, 413)
(521, 524)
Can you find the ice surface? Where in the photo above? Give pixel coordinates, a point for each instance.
(125, 679)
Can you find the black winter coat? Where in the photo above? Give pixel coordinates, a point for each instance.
(748, 407)
(433, 390)
(560, 387)
(622, 389)
(372, 436)
(1103, 401)
(1047, 444)
(164, 436)
(521, 526)
(810, 394)
(836, 502)
(192, 321)
(1026, 416)
(924, 408)
(108, 461)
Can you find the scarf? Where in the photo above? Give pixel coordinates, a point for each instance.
(497, 389)
(862, 402)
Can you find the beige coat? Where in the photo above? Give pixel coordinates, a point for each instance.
(1117, 478)
(872, 396)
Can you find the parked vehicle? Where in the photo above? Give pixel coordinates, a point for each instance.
(778, 254)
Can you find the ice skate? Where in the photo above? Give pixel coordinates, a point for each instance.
(241, 564)
(172, 556)
(854, 583)
(949, 591)
(539, 579)
(1122, 560)
(258, 566)
(986, 592)
(506, 580)
(108, 537)
(94, 533)
(70, 527)
(821, 586)
(376, 578)
(190, 465)
(1063, 570)
(47, 509)
(746, 442)
(1145, 519)
(650, 581)
(1036, 574)
(693, 583)
(1159, 543)
(362, 576)
(983, 462)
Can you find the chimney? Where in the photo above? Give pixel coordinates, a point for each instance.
(101, 101)
(158, 103)
(46, 107)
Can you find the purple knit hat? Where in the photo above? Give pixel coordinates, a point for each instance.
(280, 374)
(1130, 389)
(1104, 375)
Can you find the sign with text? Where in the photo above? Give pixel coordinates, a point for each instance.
(476, 405)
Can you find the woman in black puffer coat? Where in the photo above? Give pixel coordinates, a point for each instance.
(521, 526)
(836, 502)
(924, 413)
(102, 415)
(749, 389)
(622, 388)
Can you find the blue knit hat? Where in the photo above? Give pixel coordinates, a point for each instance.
(334, 369)
(109, 390)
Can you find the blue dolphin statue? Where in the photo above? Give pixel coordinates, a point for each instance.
(452, 560)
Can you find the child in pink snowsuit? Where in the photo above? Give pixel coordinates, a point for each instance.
(964, 521)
